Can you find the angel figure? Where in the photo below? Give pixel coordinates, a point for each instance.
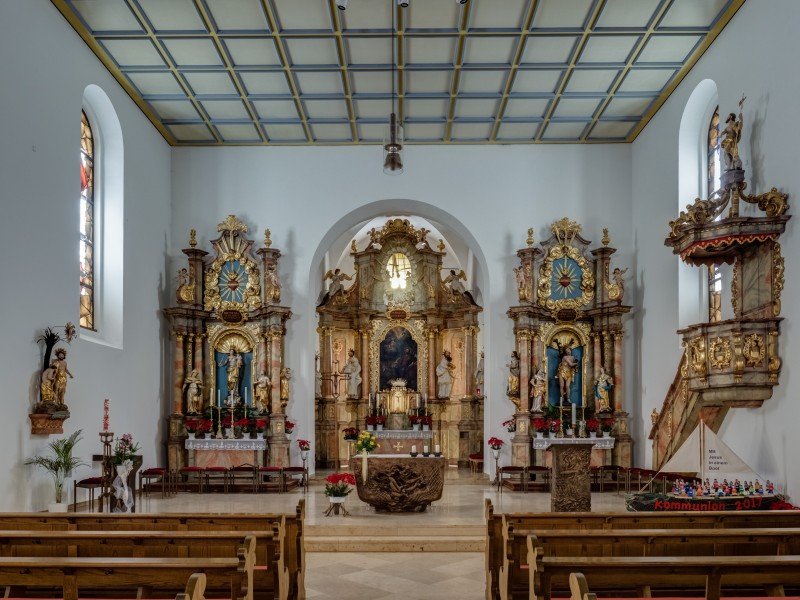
(186, 285)
(617, 275)
(336, 285)
(273, 285)
(522, 275)
(457, 287)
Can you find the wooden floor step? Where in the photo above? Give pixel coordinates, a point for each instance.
(401, 543)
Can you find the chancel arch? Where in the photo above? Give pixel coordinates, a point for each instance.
(398, 308)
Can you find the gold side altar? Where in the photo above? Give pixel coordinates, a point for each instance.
(400, 483)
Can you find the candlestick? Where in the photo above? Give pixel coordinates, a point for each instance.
(105, 414)
(245, 396)
(219, 398)
(437, 450)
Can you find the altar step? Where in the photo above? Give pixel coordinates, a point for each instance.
(444, 538)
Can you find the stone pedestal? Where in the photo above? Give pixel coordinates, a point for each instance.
(571, 483)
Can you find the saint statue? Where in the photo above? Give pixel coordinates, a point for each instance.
(479, 376)
(286, 376)
(48, 383)
(61, 373)
(234, 362)
(317, 377)
(566, 373)
(730, 137)
(263, 387)
(538, 389)
(273, 285)
(193, 386)
(512, 389)
(352, 368)
(601, 388)
(445, 375)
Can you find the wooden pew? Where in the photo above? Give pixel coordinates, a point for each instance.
(76, 575)
(585, 521)
(291, 553)
(514, 577)
(622, 575)
(195, 588)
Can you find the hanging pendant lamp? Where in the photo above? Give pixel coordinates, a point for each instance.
(393, 140)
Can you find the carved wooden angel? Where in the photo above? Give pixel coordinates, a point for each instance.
(336, 285)
(457, 287)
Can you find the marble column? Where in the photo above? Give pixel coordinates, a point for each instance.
(276, 360)
(538, 351)
(619, 397)
(365, 365)
(177, 400)
(326, 367)
(524, 349)
(469, 360)
(598, 356)
(432, 356)
(263, 360)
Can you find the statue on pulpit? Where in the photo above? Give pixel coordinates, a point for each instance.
(352, 368)
(193, 386)
(263, 387)
(445, 375)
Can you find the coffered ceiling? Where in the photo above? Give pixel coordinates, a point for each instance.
(289, 72)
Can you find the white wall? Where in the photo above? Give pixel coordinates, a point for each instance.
(45, 69)
(488, 196)
(755, 55)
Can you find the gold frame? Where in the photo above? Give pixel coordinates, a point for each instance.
(380, 327)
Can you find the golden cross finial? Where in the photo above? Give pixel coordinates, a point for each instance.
(440, 246)
(192, 238)
(267, 240)
(606, 240)
(530, 237)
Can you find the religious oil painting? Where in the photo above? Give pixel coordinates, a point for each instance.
(398, 358)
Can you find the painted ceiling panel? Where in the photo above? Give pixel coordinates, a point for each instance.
(487, 71)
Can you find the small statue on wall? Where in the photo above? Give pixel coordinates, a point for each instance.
(456, 287)
(512, 388)
(234, 363)
(61, 373)
(445, 375)
(602, 386)
(286, 376)
(193, 386)
(186, 286)
(730, 138)
(336, 285)
(479, 376)
(263, 387)
(273, 285)
(352, 368)
(523, 277)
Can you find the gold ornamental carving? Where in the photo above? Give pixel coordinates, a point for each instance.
(697, 356)
(737, 275)
(777, 278)
(233, 225)
(720, 353)
(398, 226)
(565, 232)
(754, 350)
(548, 331)
(224, 273)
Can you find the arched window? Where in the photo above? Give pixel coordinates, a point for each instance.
(399, 268)
(86, 243)
(713, 173)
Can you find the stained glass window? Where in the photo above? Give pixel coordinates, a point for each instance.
(714, 171)
(86, 247)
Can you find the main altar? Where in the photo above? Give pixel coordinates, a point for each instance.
(398, 347)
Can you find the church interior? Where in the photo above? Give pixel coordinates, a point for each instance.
(467, 248)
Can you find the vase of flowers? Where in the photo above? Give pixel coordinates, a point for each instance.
(552, 425)
(370, 421)
(289, 427)
(337, 488)
(539, 426)
(380, 421)
(192, 425)
(510, 425)
(414, 422)
(350, 434)
(591, 426)
(606, 425)
(496, 444)
(426, 421)
(261, 427)
(304, 446)
(125, 450)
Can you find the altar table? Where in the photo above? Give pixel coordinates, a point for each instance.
(571, 483)
(226, 452)
(399, 482)
(400, 441)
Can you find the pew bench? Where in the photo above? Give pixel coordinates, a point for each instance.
(640, 575)
(231, 577)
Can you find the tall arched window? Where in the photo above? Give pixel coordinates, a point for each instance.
(714, 171)
(86, 244)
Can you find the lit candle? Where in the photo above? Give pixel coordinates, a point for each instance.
(425, 449)
(105, 414)
(413, 449)
(437, 451)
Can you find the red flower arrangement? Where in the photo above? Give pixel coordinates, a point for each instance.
(243, 423)
(350, 433)
(289, 426)
(371, 420)
(592, 424)
(414, 419)
(426, 420)
(261, 425)
(606, 424)
(553, 424)
(380, 420)
(226, 421)
(495, 443)
(338, 484)
(539, 425)
(304, 444)
(510, 425)
(192, 425)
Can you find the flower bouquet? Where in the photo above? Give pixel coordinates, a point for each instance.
(289, 426)
(414, 419)
(339, 485)
(539, 425)
(510, 425)
(371, 420)
(192, 425)
(350, 434)
(553, 424)
(606, 425)
(426, 420)
(380, 420)
(366, 442)
(592, 425)
(495, 443)
(125, 449)
(261, 425)
(304, 445)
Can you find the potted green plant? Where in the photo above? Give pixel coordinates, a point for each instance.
(59, 463)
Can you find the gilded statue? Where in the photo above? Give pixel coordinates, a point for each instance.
(445, 375)
(730, 138)
(352, 368)
(512, 388)
(286, 376)
(263, 387)
(457, 290)
(538, 390)
(523, 276)
(234, 363)
(601, 391)
(193, 386)
(273, 285)
(479, 376)
(567, 369)
(61, 374)
(336, 285)
(186, 286)
(48, 383)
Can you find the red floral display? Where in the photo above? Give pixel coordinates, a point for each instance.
(304, 444)
(289, 426)
(350, 433)
(338, 484)
(592, 424)
(539, 424)
(495, 443)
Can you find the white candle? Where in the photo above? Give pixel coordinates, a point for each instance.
(245, 396)
(413, 449)
(573, 415)
(437, 451)
(219, 398)
(425, 449)
(418, 400)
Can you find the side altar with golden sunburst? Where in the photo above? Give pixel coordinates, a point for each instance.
(566, 372)
(228, 328)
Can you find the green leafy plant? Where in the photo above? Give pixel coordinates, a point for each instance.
(60, 462)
